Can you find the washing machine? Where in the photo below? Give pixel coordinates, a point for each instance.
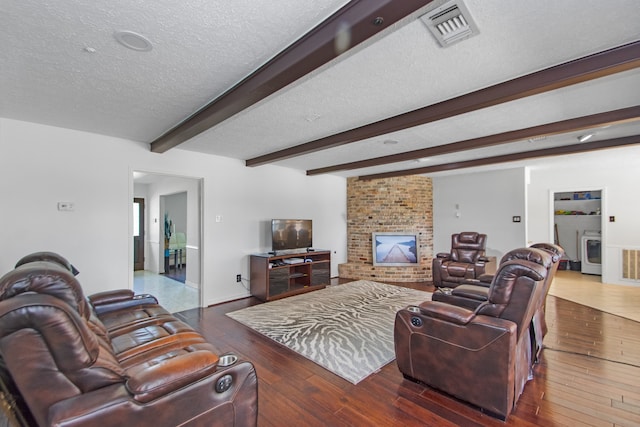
(591, 252)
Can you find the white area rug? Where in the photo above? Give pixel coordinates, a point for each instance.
(347, 329)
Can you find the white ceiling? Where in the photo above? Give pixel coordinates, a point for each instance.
(202, 48)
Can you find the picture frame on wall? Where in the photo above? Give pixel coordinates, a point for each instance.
(395, 249)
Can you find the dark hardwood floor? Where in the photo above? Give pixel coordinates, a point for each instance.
(179, 274)
(589, 375)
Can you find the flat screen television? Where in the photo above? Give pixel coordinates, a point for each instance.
(288, 234)
(395, 249)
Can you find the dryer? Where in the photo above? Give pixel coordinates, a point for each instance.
(592, 252)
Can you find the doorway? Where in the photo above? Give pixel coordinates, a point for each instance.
(138, 234)
(153, 190)
(578, 228)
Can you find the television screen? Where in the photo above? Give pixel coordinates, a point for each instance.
(395, 249)
(291, 234)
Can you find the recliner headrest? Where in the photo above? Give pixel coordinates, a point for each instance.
(45, 277)
(504, 282)
(556, 250)
(538, 256)
(468, 237)
(48, 256)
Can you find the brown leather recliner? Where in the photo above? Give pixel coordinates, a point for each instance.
(472, 293)
(465, 261)
(480, 356)
(63, 366)
(539, 321)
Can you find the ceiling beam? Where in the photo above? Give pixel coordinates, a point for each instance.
(546, 152)
(548, 129)
(314, 49)
(591, 67)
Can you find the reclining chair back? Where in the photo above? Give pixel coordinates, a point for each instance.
(550, 247)
(46, 341)
(508, 301)
(529, 254)
(540, 329)
(468, 246)
(50, 257)
(44, 277)
(556, 254)
(466, 260)
(472, 293)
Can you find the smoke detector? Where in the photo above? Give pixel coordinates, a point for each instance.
(450, 23)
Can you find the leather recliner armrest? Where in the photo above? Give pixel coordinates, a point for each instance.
(109, 297)
(473, 362)
(447, 312)
(104, 302)
(475, 292)
(169, 375)
(443, 255)
(113, 406)
(480, 333)
(484, 281)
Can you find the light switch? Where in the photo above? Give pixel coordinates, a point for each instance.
(65, 206)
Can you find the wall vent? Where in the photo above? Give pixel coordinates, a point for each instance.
(450, 23)
(631, 264)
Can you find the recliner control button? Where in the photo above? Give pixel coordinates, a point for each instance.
(416, 321)
(224, 383)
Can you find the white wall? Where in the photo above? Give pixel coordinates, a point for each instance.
(42, 165)
(615, 171)
(486, 202)
(175, 205)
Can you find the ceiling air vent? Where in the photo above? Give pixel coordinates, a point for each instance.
(450, 23)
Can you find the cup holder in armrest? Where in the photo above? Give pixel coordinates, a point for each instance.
(227, 360)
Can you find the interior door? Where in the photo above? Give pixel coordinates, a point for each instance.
(138, 234)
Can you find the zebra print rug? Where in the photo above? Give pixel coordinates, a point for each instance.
(347, 329)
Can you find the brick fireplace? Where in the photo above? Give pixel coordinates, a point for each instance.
(398, 205)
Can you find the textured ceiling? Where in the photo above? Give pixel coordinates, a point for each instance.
(202, 48)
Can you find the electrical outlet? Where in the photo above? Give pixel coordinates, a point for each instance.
(238, 278)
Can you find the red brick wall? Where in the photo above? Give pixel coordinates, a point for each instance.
(402, 205)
